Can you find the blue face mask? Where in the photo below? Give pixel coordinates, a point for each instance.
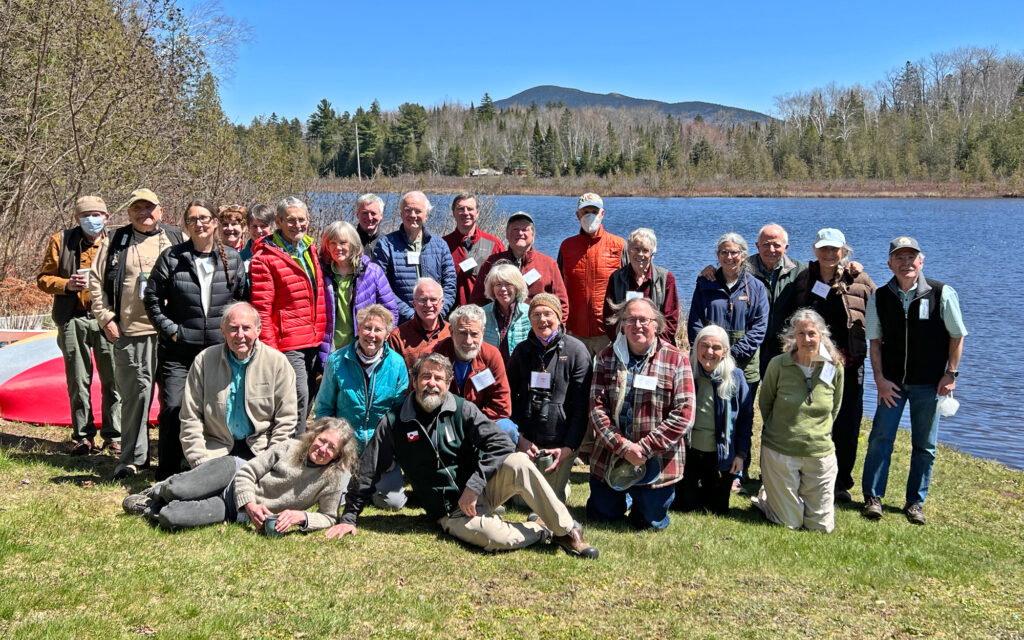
(92, 225)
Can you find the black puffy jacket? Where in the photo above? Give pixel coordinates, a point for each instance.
(174, 302)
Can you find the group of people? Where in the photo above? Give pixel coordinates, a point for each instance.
(478, 373)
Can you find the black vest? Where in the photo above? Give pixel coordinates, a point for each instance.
(618, 285)
(914, 350)
(113, 274)
(68, 258)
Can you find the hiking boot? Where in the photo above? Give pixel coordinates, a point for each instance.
(574, 544)
(113, 447)
(123, 471)
(843, 497)
(81, 447)
(872, 508)
(914, 513)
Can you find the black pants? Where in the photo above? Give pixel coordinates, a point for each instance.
(198, 497)
(703, 486)
(307, 366)
(846, 428)
(174, 361)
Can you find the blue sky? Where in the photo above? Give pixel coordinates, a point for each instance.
(741, 54)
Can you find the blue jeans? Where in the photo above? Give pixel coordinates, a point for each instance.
(924, 427)
(647, 507)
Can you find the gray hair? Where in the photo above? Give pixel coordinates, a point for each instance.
(643, 234)
(736, 239)
(434, 359)
(725, 368)
(346, 458)
(262, 212)
(468, 312)
(788, 335)
(341, 230)
(228, 310)
(370, 198)
(425, 280)
(504, 271)
(290, 202)
(620, 313)
(401, 201)
(376, 311)
(785, 234)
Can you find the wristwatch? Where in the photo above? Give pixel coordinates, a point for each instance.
(955, 374)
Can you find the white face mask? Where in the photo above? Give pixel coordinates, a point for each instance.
(92, 225)
(591, 222)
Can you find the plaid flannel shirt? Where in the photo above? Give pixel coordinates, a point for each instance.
(661, 418)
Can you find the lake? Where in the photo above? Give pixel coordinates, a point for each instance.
(956, 236)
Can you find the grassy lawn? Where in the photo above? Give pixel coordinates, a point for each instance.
(74, 567)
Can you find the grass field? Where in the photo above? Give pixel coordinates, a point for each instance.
(74, 567)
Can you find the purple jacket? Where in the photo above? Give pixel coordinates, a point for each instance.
(371, 288)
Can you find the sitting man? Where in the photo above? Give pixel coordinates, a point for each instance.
(461, 467)
(413, 338)
(239, 396)
(479, 370)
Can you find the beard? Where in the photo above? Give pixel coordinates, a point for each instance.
(428, 400)
(466, 356)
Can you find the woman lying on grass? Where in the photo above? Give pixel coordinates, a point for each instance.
(284, 480)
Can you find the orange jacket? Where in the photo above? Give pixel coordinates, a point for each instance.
(586, 263)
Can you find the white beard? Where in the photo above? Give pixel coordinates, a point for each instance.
(429, 401)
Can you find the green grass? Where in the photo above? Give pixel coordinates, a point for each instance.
(72, 566)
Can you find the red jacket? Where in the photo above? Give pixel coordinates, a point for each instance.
(586, 263)
(291, 308)
(464, 280)
(494, 400)
(550, 280)
(410, 341)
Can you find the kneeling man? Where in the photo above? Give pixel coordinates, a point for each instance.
(462, 466)
(239, 396)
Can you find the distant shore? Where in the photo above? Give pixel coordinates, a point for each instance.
(658, 187)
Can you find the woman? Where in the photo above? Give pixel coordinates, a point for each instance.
(720, 440)
(800, 398)
(351, 282)
(641, 278)
(549, 379)
(186, 293)
(259, 222)
(231, 218)
(283, 481)
(361, 383)
(829, 287)
(508, 316)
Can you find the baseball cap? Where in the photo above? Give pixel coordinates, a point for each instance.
(143, 194)
(903, 242)
(87, 204)
(829, 238)
(519, 215)
(590, 200)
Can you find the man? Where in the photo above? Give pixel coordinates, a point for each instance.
(239, 396)
(479, 370)
(539, 271)
(470, 246)
(461, 467)
(369, 213)
(777, 272)
(410, 253)
(65, 276)
(587, 260)
(116, 284)
(287, 291)
(417, 336)
(917, 337)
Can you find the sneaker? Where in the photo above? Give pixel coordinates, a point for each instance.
(574, 544)
(737, 488)
(81, 447)
(123, 471)
(914, 513)
(139, 504)
(872, 508)
(843, 497)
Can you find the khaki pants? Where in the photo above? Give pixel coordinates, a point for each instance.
(517, 476)
(80, 340)
(134, 368)
(798, 492)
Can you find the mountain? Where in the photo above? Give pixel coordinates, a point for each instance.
(573, 98)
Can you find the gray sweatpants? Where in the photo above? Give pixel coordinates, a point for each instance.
(80, 340)
(134, 367)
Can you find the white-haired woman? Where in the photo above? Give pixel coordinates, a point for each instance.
(508, 315)
(720, 440)
(800, 398)
(642, 278)
(283, 482)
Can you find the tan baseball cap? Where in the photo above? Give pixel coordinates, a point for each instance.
(589, 199)
(142, 194)
(87, 204)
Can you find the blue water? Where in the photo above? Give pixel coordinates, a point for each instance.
(972, 245)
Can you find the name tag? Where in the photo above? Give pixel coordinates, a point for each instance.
(650, 383)
(820, 289)
(823, 352)
(531, 276)
(412, 257)
(828, 373)
(483, 379)
(630, 295)
(467, 264)
(540, 380)
(923, 310)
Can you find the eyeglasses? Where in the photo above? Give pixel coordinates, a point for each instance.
(193, 221)
(296, 222)
(430, 301)
(730, 254)
(640, 322)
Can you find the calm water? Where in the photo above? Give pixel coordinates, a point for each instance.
(968, 244)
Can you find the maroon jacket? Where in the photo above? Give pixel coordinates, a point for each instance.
(482, 246)
(410, 341)
(550, 280)
(495, 400)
